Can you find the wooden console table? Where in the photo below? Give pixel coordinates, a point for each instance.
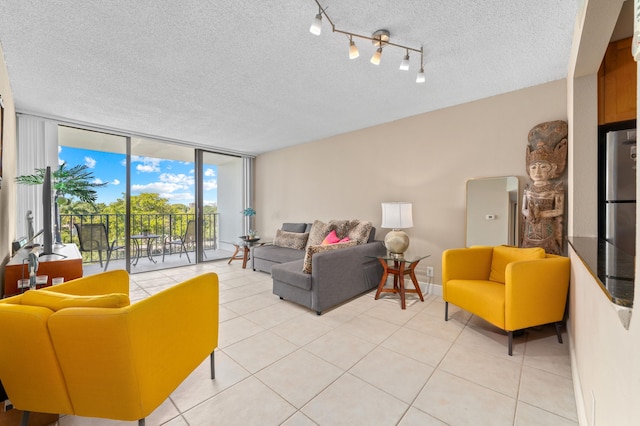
(66, 262)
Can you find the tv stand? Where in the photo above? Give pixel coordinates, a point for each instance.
(65, 262)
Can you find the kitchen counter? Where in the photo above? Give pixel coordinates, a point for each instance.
(614, 269)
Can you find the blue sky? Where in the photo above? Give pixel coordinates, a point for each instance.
(174, 180)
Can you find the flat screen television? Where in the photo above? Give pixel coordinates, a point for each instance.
(47, 207)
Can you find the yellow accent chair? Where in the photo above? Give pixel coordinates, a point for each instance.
(81, 348)
(511, 288)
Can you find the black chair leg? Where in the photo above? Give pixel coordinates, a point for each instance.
(106, 265)
(141, 422)
(446, 311)
(558, 332)
(186, 252)
(213, 365)
(510, 333)
(24, 421)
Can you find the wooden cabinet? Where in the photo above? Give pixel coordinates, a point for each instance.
(617, 84)
(66, 263)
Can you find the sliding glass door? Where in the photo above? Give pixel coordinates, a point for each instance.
(220, 203)
(164, 204)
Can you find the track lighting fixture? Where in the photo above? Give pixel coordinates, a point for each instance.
(380, 39)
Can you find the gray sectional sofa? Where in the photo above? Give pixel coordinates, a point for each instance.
(335, 277)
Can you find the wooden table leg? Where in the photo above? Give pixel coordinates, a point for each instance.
(402, 293)
(233, 257)
(245, 257)
(383, 280)
(412, 274)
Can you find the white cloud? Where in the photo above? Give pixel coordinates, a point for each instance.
(97, 180)
(209, 172)
(159, 187)
(59, 149)
(90, 162)
(208, 185)
(149, 164)
(177, 178)
(180, 196)
(115, 182)
(147, 168)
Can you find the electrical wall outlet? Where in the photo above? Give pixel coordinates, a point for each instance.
(430, 271)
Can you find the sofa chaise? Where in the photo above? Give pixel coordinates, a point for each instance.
(321, 276)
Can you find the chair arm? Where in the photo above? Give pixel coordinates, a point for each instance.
(536, 291)
(466, 264)
(122, 363)
(116, 281)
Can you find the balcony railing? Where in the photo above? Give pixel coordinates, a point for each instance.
(167, 226)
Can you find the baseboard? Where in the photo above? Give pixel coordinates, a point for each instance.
(581, 409)
(431, 288)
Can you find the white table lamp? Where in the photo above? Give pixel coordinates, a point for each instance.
(397, 215)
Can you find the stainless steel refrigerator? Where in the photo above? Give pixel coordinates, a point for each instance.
(620, 195)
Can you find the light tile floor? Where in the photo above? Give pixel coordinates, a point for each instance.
(366, 362)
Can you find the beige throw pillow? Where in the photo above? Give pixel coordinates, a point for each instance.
(311, 250)
(319, 230)
(294, 240)
(360, 231)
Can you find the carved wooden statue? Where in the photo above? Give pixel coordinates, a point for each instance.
(543, 197)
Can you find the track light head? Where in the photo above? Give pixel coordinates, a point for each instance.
(421, 77)
(375, 59)
(316, 25)
(404, 65)
(353, 50)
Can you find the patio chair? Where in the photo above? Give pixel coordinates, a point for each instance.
(94, 237)
(182, 241)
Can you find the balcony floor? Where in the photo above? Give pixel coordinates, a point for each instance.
(145, 265)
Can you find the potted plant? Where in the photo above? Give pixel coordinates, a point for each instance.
(76, 181)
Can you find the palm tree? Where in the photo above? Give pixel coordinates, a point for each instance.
(76, 181)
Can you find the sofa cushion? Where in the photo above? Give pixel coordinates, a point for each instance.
(360, 231)
(319, 230)
(294, 240)
(291, 274)
(294, 227)
(311, 250)
(277, 254)
(56, 301)
(503, 255)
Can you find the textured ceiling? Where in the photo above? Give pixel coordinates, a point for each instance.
(248, 76)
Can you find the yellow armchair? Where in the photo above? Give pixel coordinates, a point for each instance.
(512, 288)
(80, 347)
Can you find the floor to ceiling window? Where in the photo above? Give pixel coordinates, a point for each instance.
(149, 209)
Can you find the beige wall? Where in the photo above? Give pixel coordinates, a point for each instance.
(425, 159)
(9, 164)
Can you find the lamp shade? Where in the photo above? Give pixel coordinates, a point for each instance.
(353, 50)
(316, 25)
(397, 215)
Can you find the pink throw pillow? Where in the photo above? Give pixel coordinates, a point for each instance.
(332, 238)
